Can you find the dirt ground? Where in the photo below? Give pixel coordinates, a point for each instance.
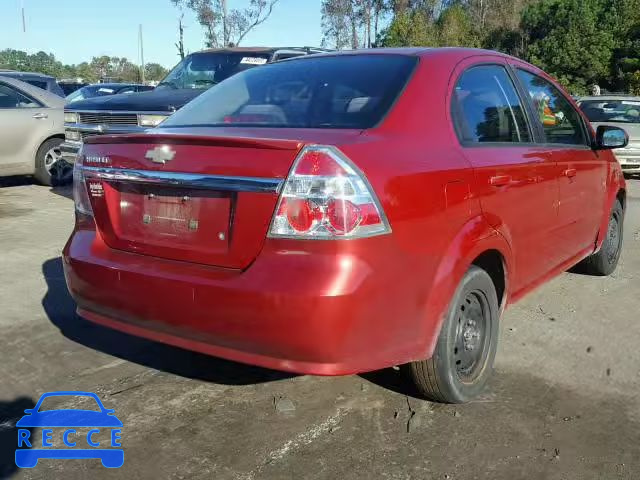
(564, 402)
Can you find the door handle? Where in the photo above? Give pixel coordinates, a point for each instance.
(500, 180)
(570, 172)
(40, 116)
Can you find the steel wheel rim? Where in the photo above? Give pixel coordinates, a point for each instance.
(55, 166)
(473, 331)
(613, 239)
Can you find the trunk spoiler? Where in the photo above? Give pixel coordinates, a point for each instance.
(204, 140)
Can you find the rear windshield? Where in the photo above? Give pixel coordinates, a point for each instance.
(621, 111)
(350, 91)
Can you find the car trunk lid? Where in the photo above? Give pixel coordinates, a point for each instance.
(188, 197)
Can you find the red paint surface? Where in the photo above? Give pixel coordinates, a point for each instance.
(335, 307)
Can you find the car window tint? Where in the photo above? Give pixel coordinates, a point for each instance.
(322, 92)
(488, 108)
(560, 121)
(37, 83)
(11, 98)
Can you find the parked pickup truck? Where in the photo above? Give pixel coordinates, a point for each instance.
(134, 113)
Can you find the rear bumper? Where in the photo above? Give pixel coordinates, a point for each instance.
(69, 151)
(326, 313)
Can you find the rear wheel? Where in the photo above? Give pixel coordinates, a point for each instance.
(51, 169)
(462, 361)
(605, 261)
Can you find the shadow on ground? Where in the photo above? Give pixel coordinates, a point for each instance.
(10, 412)
(63, 190)
(16, 181)
(60, 308)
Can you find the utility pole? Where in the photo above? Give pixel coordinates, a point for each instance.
(225, 32)
(141, 54)
(24, 24)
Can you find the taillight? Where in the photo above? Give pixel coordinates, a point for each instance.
(326, 197)
(80, 194)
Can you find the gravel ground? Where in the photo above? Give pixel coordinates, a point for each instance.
(563, 404)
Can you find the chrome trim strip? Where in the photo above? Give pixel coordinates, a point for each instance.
(186, 180)
(116, 112)
(105, 129)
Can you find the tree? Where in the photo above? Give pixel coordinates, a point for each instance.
(338, 20)
(228, 27)
(410, 28)
(571, 39)
(154, 72)
(180, 43)
(417, 26)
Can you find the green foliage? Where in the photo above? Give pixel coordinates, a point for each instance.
(155, 72)
(410, 29)
(580, 42)
(118, 68)
(415, 27)
(571, 39)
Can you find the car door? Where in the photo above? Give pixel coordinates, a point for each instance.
(581, 169)
(515, 177)
(23, 120)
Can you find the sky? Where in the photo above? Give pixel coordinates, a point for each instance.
(76, 30)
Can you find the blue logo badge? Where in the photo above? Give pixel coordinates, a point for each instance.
(61, 425)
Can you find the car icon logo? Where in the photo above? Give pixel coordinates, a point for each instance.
(80, 431)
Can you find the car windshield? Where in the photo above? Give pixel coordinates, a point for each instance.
(202, 70)
(74, 402)
(618, 111)
(90, 92)
(347, 91)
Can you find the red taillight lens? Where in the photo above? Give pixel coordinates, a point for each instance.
(80, 194)
(318, 162)
(324, 197)
(301, 214)
(343, 216)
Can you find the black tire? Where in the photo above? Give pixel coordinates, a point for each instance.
(605, 261)
(52, 175)
(448, 376)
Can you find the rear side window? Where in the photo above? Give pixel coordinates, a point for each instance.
(353, 91)
(560, 121)
(11, 98)
(487, 108)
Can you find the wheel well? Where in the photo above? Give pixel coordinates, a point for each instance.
(57, 135)
(492, 262)
(622, 197)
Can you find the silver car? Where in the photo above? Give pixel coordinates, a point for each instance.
(621, 111)
(31, 131)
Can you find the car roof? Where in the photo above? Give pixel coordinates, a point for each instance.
(49, 99)
(13, 73)
(115, 85)
(426, 52)
(262, 49)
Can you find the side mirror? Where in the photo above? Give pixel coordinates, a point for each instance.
(609, 137)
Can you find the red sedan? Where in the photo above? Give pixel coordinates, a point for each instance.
(347, 212)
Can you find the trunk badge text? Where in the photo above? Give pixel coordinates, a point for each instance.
(95, 159)
(161, 154)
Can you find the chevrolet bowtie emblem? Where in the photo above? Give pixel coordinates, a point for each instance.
(161, 154)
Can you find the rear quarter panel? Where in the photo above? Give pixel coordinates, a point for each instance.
(426, 188)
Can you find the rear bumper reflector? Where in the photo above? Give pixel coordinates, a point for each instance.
(186, 180)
